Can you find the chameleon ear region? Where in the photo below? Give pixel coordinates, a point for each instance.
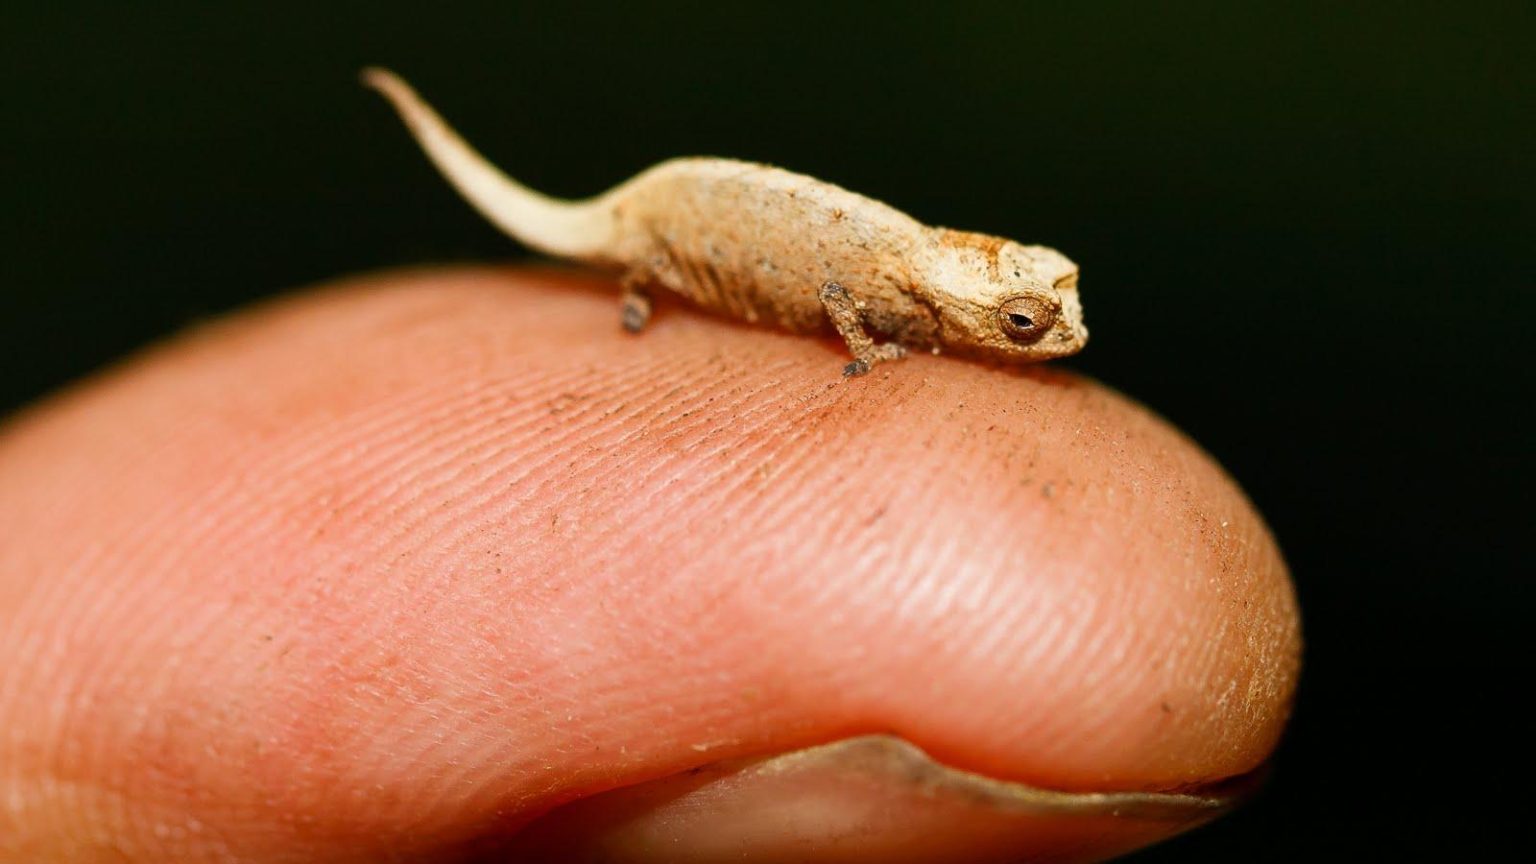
(1027, 317)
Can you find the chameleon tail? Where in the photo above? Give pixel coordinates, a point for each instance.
(566, 229)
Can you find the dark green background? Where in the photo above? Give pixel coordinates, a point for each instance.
(1307, 233)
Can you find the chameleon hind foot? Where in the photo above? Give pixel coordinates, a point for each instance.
(843, 311)
(635, 306)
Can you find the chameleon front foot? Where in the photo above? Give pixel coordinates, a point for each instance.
(843, 311)
(877, 354)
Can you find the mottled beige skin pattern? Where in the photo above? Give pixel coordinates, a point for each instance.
(763, 244)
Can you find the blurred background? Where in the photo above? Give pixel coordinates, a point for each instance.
(1307, 234)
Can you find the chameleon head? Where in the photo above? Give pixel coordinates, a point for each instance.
(1003, 301)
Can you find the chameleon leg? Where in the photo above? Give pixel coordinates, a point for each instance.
(844, 312)
(636, 304)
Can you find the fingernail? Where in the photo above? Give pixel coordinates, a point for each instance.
(870, 798)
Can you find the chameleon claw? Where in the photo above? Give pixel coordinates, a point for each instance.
(855, 369)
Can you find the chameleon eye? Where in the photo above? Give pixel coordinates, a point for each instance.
(1026, 318)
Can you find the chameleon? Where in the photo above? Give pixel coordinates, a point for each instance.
(762, 244)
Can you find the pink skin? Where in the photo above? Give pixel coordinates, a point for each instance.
(402, 563)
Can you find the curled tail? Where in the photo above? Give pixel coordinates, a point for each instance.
(566, 229)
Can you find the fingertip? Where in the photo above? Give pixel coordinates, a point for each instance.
(457, 549)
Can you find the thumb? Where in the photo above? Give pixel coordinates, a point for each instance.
(401, 568)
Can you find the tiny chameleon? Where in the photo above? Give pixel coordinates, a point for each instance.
(762, 244)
